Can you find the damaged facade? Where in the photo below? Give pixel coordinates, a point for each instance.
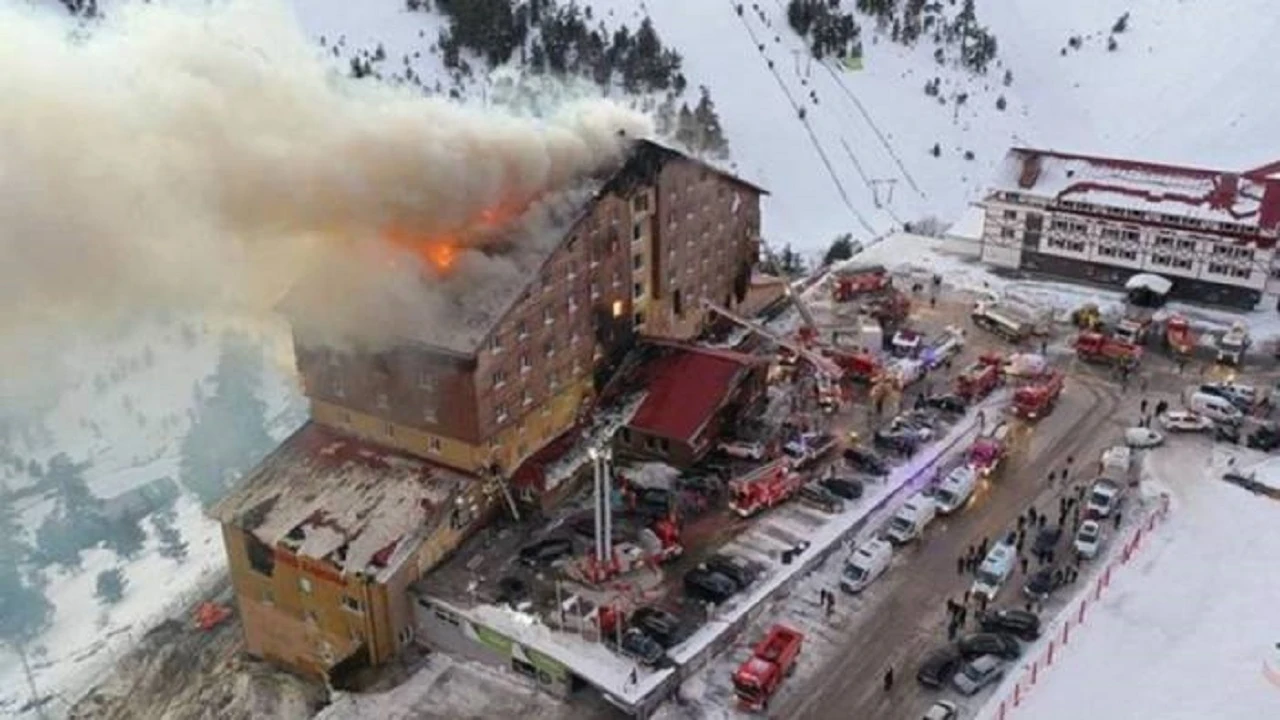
(1103, 220)
(405, 450)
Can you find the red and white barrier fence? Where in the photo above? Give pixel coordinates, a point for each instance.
(1015, 696)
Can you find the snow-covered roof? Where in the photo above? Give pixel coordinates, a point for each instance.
(970, 224)
(1246, 199)
(329, 497)
(1147, 281)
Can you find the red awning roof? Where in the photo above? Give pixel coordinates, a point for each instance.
(685, 390)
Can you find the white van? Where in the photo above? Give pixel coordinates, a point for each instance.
(994, 570)
(911, 519)
(865, 565)
(954, 490)
(1214, 407)
(1116, 462)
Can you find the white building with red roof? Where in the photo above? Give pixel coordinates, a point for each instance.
(1212, 233)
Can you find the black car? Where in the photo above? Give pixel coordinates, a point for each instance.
(847, 488)
(1265, 438)
(637, 644)
(708, 586)
(658, 624)
(736, 569)
(1040, 585)
(1020, 623)
(866, 461)
(989, 643)
(947, 403)
(1047, 539)
(901, 442)
(815, 495)
(938, 667)
(545, 552)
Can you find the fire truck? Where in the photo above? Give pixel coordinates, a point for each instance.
(1038, 399)
(979, 379)
(763, 488)
(1178, 337)
(849, 283)
(1096, 347)
(771, 661)
(860, 367)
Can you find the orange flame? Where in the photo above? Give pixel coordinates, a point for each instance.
(440, 252)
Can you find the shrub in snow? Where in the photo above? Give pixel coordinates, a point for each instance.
(1121, 25)
(172, 545)
(968, 154)
(841, 249)
(1112, 44)
(110, 586)
(1008, 78)
(1000, 103)
(936, 150)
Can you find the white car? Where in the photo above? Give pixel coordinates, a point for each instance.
(1088, 539)
(1140, 437)
(743, 450)
(1184, 421)
(942, 710)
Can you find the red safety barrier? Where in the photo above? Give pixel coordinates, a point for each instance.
(1083, 603)
(1066, 632)
(1017, 694)
(1097, 589)
(1003, 709)
(1050, 660)
(1035, 671)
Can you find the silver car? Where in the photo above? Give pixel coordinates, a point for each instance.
(978, 673)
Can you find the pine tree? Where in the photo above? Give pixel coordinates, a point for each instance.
(172, 545)
(229, 433)
(686, 127)
(711, 134)
(23, 607)
(841, 249)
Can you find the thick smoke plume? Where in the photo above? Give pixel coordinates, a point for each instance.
(206, 156)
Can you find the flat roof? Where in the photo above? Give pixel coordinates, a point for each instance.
(330, 497)
(685, 388)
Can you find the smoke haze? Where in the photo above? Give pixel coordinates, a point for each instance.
(204, 157)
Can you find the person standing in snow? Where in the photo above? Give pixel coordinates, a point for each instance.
(888, 679)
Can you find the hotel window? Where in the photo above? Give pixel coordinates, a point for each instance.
(1164, 241)
(522, 330)
(638, 289)
(1010, 214)
(595, 290)
(640, 203)
(337, 387)
(549, 349)
(382, 401)
(1110, 233)
(430, 410)
(526, 397)
(499, 378)
(1187, 245)
(434, 445)
(637, 230)
(548, 316)
(1129, 235)
(637, 261)
(1004, 233)
(304, 584)
(500, 413)
(350, 604)
(1219, 268)
(525, 365)
(1241, 272)
(495, 343)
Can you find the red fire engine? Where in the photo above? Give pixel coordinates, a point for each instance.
(1178, 336)
(1096, 347)
(760, 675)
(979, 379)
(1037, 400)
(986, 454)
(850, 283)
(763, 488)
(860, 367)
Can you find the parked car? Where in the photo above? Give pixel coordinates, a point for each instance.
(815, 495)
(1141, 437)
(989, 643)
(741, 572)
(1088, 539)
(938, 666)
(637, 644)
(1020, 623)
(743, 450)
(1244, 397)
(545, 552)
(865, 564)
(658, 624)
(1040, 585)
(916, 425)
(1047, 539)
(953, 404)
(977, 674)
(709, 586)
(1184, 421)
(843, 487)
(1104, 498)
(942, 710)
(866, 461)
(1265, 438)
(899, 441)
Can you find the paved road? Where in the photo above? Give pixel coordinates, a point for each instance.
(910, 614)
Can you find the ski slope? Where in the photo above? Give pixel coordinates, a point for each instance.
(1193, 624)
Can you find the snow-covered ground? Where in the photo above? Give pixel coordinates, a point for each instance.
(1188, 630)
(122, 404)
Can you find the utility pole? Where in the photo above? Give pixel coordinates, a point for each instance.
(875, 191)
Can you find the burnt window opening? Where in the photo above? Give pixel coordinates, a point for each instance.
(677, 302)
(261, 558)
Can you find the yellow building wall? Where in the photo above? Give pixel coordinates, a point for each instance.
(508, 448)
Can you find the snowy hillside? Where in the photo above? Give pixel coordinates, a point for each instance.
(118, 410)
(1181, 84)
